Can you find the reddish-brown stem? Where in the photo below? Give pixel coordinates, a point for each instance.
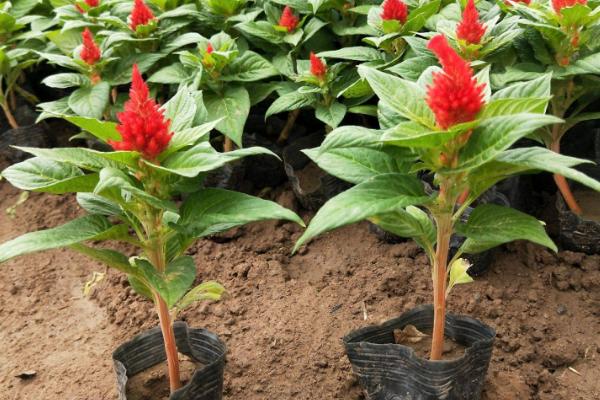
(444, 231)
(463, 197)
(563, 185)
(9, 116)
(289, 124)
(170, 345)
(227, 145)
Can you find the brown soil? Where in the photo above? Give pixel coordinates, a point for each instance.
(590, 204)
(309, 177)
(285, 316)
(153, 383)
(420, 342)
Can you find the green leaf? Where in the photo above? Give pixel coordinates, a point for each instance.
(491, 225)
(181, 109)
(92, 160)
(203, 158)
(538, 88)
(496, 134)
(171, 74)
(90, 101)
(189, 137)
(43, 175)
(291, 101)
(404, 97)
(410, 223)
(90, 227)
(210, 290)
(171, 284)
(354, 53)
(507, 106)
(112, 258)
(458, 274)
(210, 211)
(332, 115)
(233, 107)
(412, 134)
(66, 80)
(103, 130)
(378, 195)
(95, 204)
(248, 67)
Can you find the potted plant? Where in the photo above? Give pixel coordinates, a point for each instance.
(448, 124)
(561, 33)
(160, 153)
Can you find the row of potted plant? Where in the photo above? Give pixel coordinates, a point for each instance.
(454, 88)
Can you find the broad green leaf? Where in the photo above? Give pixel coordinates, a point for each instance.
(90, 227)
(211, 210)
(181, 109)
(410, 223)
(89, 159)
(331, 115)
(291, 101)
(171, 284)
(103, 130)
(248, 67)
(189, 137)
(95, 204)
(378, 195)
(491, 225)
(496, 134)
(203, 158)
(66, 80)
(354, 53)
(171, 74)
(43, 175)
(536, 88)
(233, 107)
(90, 101)
(404, 97)
(507, 106)
(112, 258)
(210, 290)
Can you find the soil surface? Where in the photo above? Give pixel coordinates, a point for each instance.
(590, 204)
(285, 316)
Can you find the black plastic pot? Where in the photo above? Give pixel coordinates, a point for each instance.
(389, 371)
(311, 185)
(575, 232)
(147, 349)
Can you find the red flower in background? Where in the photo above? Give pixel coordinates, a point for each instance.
(140, 15)
(560, 4)
(394, 9)
(90, 53)
(142, 126)
(209, 48)
(288, 19)
(470, 29)
(317, 67)
(92, 3)
(454, 96)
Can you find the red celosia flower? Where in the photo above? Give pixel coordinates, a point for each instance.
(288, 20)
(454, 95)
(317, 67)
(90, 53)
(209, 48)
(394, 9)
(92, 3)
(470, 29)
(140, 15)
(143, 127)
(560, 4)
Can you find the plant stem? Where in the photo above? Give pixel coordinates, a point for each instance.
(561, 181)
(285, 132)
(227, 145)
(166, 327)
(9, 116)
(444, 231)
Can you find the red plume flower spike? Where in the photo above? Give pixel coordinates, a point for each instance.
(317, 67)
(558, 5)
(454, 96)
(142, 126)
(140, 15)
(470, 29)
(92, 3)
(394, 9)
(209, 48)
(90, 53)
(288, 20)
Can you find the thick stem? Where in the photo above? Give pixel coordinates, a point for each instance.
(285, 132)
(227, 145)
(444, 231)
(9, 116)
(563, 185)
(170, 345)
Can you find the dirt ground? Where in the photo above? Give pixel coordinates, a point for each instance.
(285, 316)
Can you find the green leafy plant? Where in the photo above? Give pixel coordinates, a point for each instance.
(130, 196)
(447, 124)
(562, 37)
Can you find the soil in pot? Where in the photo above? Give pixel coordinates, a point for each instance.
(590, 204)
(580, 232)
(153, 383)
(420, 342)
